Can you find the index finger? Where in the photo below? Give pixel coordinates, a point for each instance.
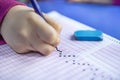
(53, 23)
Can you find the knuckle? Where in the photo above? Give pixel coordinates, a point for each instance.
(30, 15)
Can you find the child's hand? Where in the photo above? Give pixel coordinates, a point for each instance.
(25, 31)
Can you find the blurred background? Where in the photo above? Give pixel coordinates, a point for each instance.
(83, 1)
(103, 15)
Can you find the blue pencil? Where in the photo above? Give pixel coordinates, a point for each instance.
(37, 8)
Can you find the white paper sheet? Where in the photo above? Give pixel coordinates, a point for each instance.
(79, 60)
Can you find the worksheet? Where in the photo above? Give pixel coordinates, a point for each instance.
(76, 60)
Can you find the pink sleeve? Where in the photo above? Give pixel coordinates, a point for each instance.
(5, 6)
(116, 2)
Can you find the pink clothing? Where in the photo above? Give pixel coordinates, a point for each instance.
(116, 2)
(5, 6)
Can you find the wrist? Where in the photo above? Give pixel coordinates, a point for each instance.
(6, 6)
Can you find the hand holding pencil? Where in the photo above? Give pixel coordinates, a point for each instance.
(24, 31)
